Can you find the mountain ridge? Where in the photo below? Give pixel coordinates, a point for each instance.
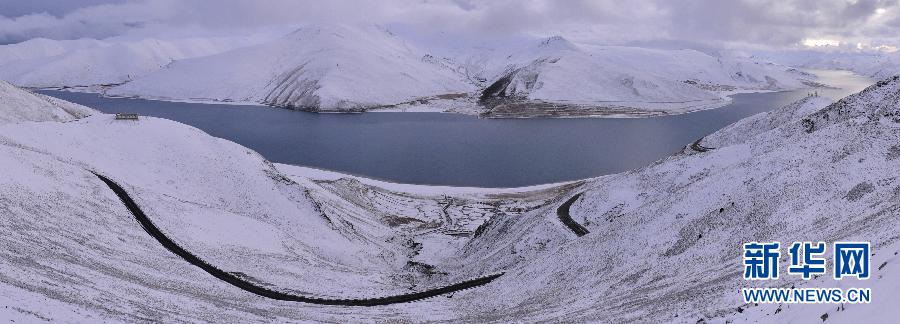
(355, 68)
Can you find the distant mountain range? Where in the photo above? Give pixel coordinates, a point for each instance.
(87, 63)
(339, 68)
(878, 65)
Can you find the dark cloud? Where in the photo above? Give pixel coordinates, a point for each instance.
(705, 23)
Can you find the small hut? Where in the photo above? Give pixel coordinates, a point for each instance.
(126, 116)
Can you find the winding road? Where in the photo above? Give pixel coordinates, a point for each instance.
(565, 218)
(230, 278)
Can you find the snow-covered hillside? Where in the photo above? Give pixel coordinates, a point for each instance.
(319, 68)
(86, 63)
(317, 235)
(18, 105)
(665, 240)
(582, 79)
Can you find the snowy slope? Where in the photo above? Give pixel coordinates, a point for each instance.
(19, 105)
(558, 72)
(219, 200)
(755, 125)
(319, 67)
(43, 48)
(666, 239)
(86, 62)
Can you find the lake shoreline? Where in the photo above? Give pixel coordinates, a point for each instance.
(447, 149)
(468, 105)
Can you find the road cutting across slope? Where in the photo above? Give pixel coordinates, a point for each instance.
(566, 219)
(238, 282)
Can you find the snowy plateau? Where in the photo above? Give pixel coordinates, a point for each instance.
(104, 219)
(661, 243)
(355, 68)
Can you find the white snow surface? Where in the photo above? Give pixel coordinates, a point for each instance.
(44, 63)
(557, 71)
(664, 243)
(318, 67)
(19, 105)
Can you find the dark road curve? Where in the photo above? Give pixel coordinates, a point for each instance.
(268, 293)
(565, 218)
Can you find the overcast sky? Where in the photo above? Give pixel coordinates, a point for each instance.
(863, 24)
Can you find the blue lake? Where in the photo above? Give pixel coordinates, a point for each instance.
(459, 150)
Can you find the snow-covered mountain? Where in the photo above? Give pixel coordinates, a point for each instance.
(339, 68)
(663, 243)
(319, 67)
(557, 73)
(41, 63)
(352, 68)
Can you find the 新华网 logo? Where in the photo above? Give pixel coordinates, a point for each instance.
(807, 260)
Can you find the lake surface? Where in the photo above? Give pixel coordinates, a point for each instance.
(459, 150)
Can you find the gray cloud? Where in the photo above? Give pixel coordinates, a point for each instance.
(52, 7)
(748, 23)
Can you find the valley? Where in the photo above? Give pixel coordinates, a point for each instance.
(227, 204)
(449, 161)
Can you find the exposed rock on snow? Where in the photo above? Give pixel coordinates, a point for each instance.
(752, 126)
